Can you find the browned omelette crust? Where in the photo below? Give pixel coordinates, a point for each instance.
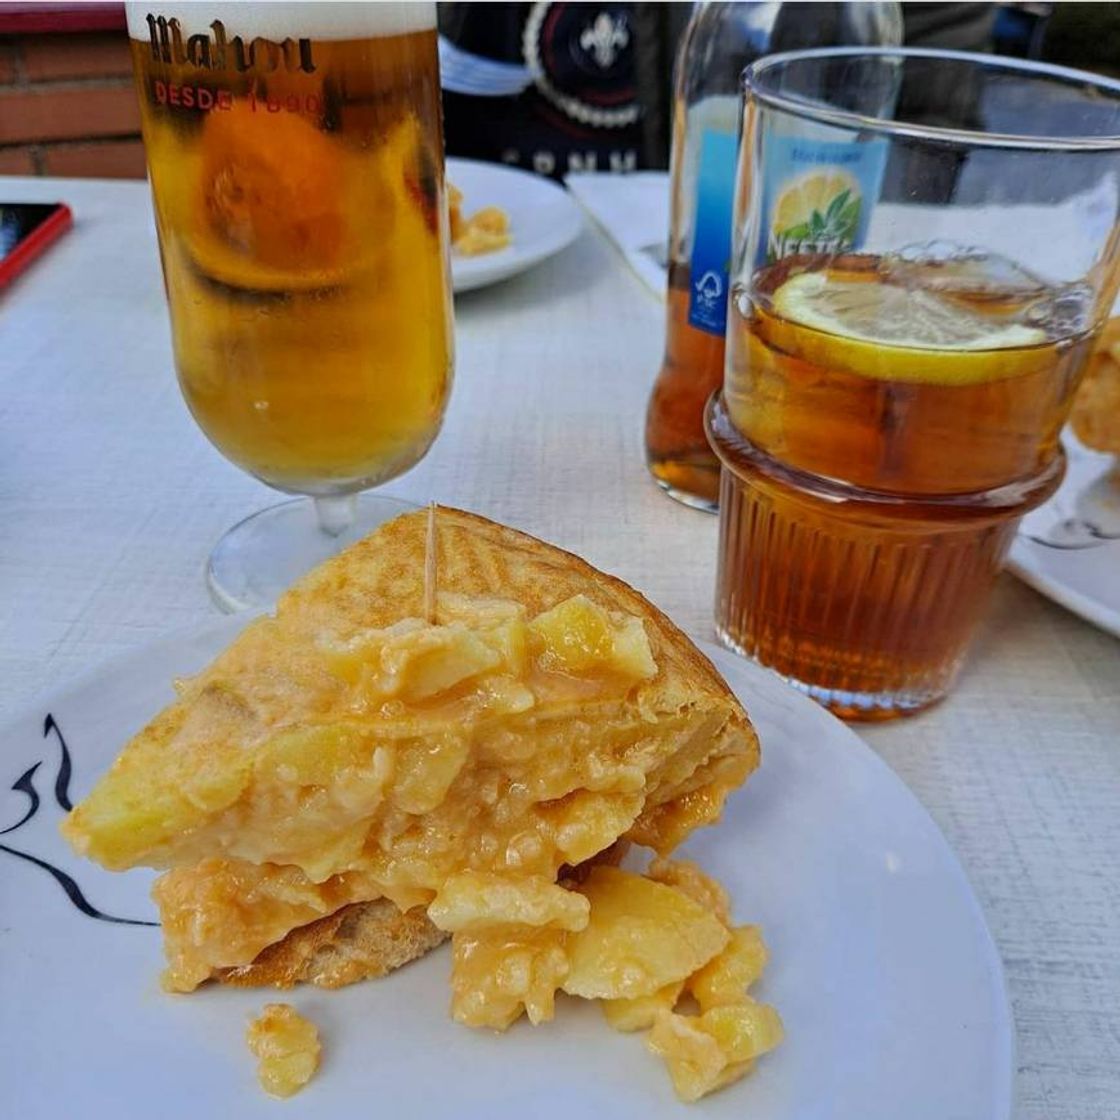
(380, 580)
(372, 585)
(1096, 409)
(272, 772)
(477, 557)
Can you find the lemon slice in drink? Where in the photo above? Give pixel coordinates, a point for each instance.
(899, 334)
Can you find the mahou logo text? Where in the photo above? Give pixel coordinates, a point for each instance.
(218, 51)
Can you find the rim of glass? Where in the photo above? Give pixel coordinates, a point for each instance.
(799, 106)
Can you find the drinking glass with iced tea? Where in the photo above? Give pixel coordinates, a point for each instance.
(926, 245)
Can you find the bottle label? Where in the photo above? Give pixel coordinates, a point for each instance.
(818, 195)
(711, 245)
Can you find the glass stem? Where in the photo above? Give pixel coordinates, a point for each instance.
(336, 513)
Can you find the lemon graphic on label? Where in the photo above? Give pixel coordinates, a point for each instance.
(819, 209)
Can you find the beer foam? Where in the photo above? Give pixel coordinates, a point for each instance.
(300, 20)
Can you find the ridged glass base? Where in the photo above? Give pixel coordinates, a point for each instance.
(865, 601)
(869, 707)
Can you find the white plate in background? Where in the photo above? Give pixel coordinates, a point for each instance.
(1069, 548)
(543, 219)
(881, 964)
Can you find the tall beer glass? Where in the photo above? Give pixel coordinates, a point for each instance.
(889, 414)
(296, 161)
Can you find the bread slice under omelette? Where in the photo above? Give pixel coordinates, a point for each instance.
(353, 747)
(363, 941)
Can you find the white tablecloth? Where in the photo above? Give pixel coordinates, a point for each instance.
(110, 499)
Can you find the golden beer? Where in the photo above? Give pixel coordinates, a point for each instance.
(296, 159)
(883, 425)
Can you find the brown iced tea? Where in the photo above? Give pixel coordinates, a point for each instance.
(884, 424)
(677, 449)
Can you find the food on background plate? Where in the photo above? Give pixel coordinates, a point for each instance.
(287, 1048)
(485, 231)
(1096, 408)
(448, 728)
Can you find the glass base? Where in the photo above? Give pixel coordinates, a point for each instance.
(686, 498)
(691, 476)
(865, 707)
(262, 556)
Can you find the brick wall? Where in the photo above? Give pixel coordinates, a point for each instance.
(67, 105)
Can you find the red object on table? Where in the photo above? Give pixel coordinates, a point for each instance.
(35, 242)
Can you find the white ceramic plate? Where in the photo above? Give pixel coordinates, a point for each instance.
(881, 965)
(1069, 548)
(543, 219)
